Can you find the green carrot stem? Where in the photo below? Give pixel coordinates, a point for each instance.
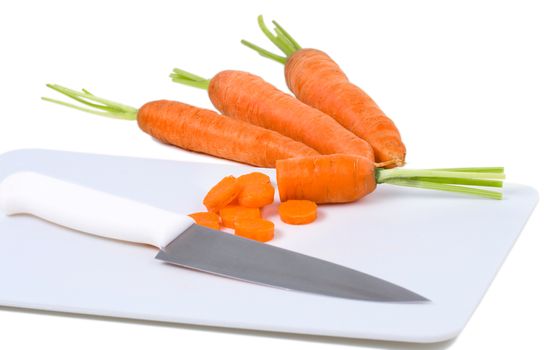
(445, 187)
(286, 49)
(183, 77)
(188, 75)
(384, 174)
(284, 40)
(265, 53)
(497, 169)
(85, 96)
(197, 84)
(104, 107)
(458, 181)
(293, 42)
(127, 116)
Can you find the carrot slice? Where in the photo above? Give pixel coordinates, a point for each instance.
(206, 218)
(256, 191)
(256, 195)
(298, 212)
(231, 213)
(221, 194)
(258, 229)
(254, 177)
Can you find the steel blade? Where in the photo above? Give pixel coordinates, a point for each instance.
(224, 254)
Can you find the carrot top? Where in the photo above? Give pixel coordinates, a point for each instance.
(281, 39)
(183, 77)
(96, 105)
(446, 179)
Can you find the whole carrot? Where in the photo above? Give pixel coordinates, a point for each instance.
(343, 178)
(247, 97)
(195, 129)
(318, 81)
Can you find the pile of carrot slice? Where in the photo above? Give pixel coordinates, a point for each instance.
(236, 203)
(329, 143)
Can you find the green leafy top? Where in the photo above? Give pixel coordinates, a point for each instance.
(93, 104)
(281, 39)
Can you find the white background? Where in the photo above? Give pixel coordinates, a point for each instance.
(464, 82)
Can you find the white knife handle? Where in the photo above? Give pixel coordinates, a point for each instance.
(89, 210)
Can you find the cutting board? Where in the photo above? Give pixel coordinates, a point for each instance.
(447, 247)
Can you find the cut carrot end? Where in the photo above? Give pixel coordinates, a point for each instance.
(298, 212)
(257, 229)
(333, 178)
(207, 219)
(231, 213)
(222, 194)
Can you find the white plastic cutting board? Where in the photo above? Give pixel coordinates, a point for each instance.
(447, 247)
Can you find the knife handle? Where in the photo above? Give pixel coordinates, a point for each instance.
(88, 210)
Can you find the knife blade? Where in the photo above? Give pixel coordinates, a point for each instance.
(183, 243)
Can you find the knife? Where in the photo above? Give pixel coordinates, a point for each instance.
(182, 242)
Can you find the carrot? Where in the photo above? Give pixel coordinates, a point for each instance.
(318, 81)
(256, 191)
(195, 129)
(298, 212)
(258, 229)
(222, 194)
(346, 178)
(231, 213)
(207, 219)
(249, 98)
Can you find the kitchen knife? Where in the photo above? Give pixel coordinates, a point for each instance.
(181, 242)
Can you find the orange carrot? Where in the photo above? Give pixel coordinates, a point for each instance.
(256, 191)
(196, 129)
(222, 194)
(318, 81)
(207, 219)
(249, 98)
(298, 212)
(231, 213)
(345, 178)
(258, 229)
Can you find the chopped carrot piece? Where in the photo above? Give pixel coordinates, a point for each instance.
(256, 195)
(254, 177)
(298, 212)
(231, 213)
(221, 194)
(256, 191)
(258, 229)
(207, 219)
